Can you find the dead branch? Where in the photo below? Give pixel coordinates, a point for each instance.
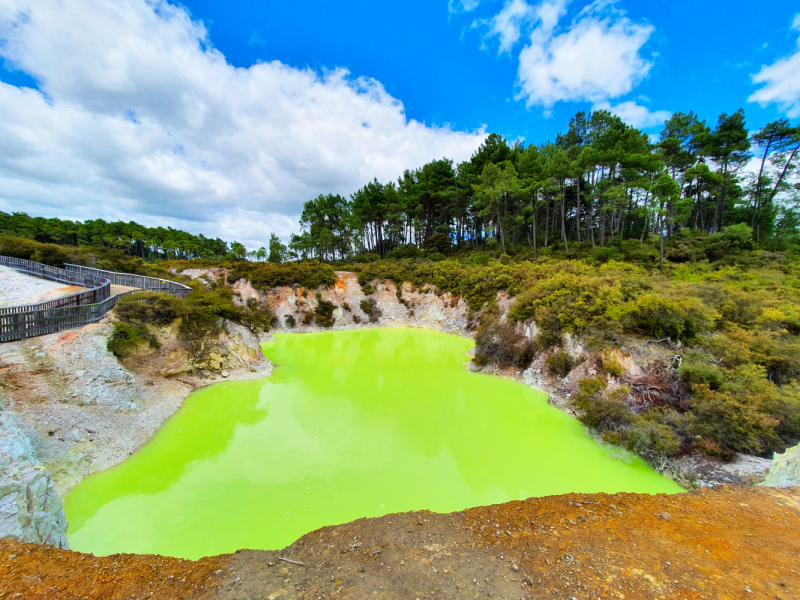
(294, 562)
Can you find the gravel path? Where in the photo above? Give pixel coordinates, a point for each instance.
(17, 289)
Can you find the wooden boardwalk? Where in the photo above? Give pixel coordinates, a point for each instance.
(102, 290)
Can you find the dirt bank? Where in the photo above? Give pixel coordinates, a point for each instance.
(729, 542)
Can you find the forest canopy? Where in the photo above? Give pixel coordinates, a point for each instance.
(601, 180)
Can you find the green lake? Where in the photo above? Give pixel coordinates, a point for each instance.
(351, 424)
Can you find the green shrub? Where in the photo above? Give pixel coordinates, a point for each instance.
(370, 308)
(438, 242)
(679, 318)
(732, 423)
(366, 308)
(128, 338)
(367, 289)
(609, 365)
(199, 313)
(598, 410)
(156, 309)
(403, 251)
(695, 370)
(289, 321)
(648, 438)
(560, 363)
(264, 276)
(501, 344)
(324, 312)
(481, 360)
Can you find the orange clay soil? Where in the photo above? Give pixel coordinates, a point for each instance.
(728, 542)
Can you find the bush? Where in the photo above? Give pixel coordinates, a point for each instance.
(370, 308)
(598, 411)
(290, 322)
(501, 344)
(403, 251)
(481, 360)
(560, 363)
(696, 371)
(156, 309)
(609, 365)
(264, 276)
(366, 308)
(682, 317)
(647, 438)
(128, 338)
(308, 318)
(731, 423)
(367, 289)
(438, 242)
(324, 312)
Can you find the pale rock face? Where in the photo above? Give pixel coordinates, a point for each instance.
(30, 509)
(785, 470)
(206, 275)
(446, 313)
(71, 367)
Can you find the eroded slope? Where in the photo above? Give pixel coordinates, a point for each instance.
(728, 542)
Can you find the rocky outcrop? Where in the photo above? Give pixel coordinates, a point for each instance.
(233, 351)
(411, 307)
(30, 509)
(785, 470)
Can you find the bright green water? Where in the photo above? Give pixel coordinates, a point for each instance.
(351, 424)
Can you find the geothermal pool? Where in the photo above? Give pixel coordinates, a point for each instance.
(351, 424)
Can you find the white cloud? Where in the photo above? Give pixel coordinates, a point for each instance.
(635, 114)
(595, 57)
(507, 23)
(459, 6)
(138, 117)
(781, 81)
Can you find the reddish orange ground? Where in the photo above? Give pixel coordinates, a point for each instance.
(731, 542)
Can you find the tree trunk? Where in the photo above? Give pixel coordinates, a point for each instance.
(578, 209)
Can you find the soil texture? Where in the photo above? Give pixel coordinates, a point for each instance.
(725, 542)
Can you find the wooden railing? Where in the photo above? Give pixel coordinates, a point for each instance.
(135, 281)
(75, 310)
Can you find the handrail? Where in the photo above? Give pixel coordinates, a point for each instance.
(78, 309)
(131, 280)
(98, 287)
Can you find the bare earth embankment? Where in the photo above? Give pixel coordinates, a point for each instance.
(727, 542)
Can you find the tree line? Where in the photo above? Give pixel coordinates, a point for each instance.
(148, 243)
(599, 181)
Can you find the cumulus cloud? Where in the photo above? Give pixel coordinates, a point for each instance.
(459, 6)
(506, 24)
(595, 57)
(781, 81)
(635, 114)
(137, 116)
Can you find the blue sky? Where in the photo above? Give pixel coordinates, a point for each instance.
(224, 117)
(443, 69)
